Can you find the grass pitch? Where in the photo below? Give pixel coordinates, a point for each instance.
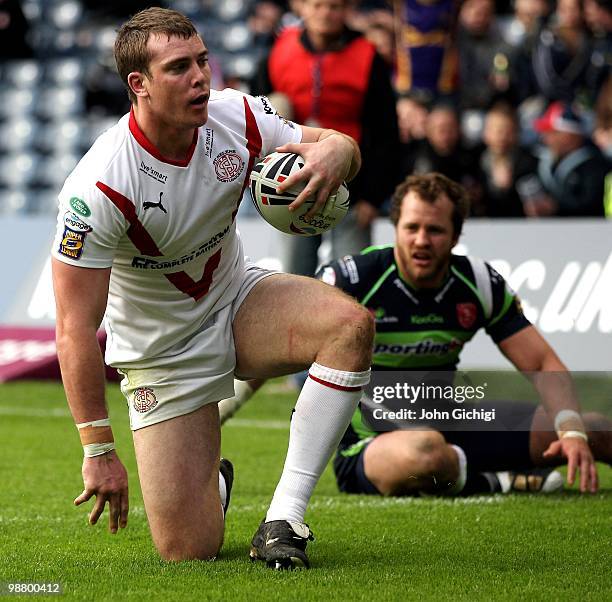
(483, 548)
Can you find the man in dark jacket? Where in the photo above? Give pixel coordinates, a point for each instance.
(333, 77)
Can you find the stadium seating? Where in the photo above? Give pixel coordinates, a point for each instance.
(49, 111)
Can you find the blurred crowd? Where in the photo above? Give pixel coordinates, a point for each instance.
(512, 98)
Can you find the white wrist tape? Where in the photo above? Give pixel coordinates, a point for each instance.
(96, 437)
(91, 450)
(574, 434)
(566, 416)
(102, 422)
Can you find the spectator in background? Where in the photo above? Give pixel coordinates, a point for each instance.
(484, 56)
(263, 22)
(292, 17)
(527, 20)
(426, 53)
(382, 37)
(442, 151)
(412, 114)
(598, 16)
(571, 168)
(334, 78)
(556, 67)
(602, 136)
(503, 162)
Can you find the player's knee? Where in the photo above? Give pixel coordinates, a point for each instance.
(599, 430)
(424, 453)
(593, 421)
(176, 549)
(418, 465)
(427, 442)
(354, 324)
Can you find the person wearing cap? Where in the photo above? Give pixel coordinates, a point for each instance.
(571, 168)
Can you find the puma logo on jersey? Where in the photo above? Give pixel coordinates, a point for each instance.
(149, 204)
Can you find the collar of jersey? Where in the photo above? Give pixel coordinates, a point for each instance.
(420, 291)
(152, 149)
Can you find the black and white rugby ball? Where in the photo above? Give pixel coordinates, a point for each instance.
(272, 206)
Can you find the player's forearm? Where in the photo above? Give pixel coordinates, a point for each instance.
(556, 388)
(533, 356)
(557, 391)
(352, 147)
(82, 369)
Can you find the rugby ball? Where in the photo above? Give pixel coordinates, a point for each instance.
(272, 206)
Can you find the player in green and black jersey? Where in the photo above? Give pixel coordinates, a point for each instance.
(428, 303)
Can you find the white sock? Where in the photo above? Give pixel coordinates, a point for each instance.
(459, 484)
(322, 412)
(222, 490)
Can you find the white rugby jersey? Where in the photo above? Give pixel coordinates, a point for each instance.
(166, 227)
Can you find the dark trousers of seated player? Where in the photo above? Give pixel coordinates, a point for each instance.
(486, 451)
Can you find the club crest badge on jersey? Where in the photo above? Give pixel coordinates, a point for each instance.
(228, 165)
(73, 238)
(144, 400)
(467, 314)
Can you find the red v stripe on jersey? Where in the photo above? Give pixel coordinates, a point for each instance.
(254, 144)
(142, 240)
(253, 136)
(196, 288)
(136, 232)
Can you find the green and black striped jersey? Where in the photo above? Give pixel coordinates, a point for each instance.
(426, 329)
(423, 329)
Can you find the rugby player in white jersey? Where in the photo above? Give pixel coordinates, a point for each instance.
(146, 233)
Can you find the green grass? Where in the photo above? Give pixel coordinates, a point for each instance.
(482, 548)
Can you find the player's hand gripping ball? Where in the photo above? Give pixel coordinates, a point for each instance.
(272, 206)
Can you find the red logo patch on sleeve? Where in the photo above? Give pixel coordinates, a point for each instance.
(467, 314)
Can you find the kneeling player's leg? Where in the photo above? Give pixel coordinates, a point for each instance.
(500, 461)
(288, 323)
(407, 462)
(243, 391)
(599, 431)
(178, 465)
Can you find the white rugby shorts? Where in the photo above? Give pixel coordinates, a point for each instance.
(202, 373)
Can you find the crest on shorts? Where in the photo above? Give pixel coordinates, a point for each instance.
(144, 399)
(467, 314)
(228, 165)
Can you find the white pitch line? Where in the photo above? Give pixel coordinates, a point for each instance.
(279, 425)
(323, 503)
